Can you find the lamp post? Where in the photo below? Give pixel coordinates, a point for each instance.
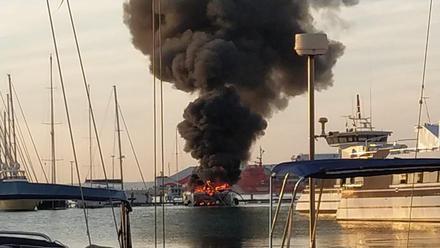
(311, 45)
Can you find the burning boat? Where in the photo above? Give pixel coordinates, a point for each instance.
(211, 194)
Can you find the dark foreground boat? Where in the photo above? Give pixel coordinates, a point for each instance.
(340, 169)
(10, 239)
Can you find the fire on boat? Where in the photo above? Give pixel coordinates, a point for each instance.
(211, 194)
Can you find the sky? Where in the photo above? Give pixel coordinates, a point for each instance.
(384, 41)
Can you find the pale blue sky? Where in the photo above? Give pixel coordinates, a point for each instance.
(384, 51)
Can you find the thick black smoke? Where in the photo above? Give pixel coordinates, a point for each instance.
(237, 55)
(219, 131)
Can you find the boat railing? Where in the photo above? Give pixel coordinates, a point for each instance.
(12, 174)
(335, 169)
(26, 234)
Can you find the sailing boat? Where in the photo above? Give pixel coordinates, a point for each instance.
(10, 169)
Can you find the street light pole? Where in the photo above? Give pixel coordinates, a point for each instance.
(311, 91)
(311, 45)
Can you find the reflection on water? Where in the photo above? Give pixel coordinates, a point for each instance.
(215, 227)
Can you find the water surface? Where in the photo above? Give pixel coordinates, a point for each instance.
(244, 226)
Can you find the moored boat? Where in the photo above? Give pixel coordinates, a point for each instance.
(387, 197)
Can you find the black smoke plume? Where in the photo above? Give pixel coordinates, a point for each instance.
(238, 56)
(219, 131)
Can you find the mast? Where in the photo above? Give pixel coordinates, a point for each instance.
(8, 101)
(52, 126)
(260, 157)
(5, 138)
(358, 107)
(13, 119)
(177, 152)
(90, 141)
(118, 129)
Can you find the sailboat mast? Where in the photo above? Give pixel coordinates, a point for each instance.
(119, 136)
(13, 119)
(177, 151)
(52, 125)
(8, 101)
(90, 141)
(5, 137)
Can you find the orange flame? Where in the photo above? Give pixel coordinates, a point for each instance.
(210, 188)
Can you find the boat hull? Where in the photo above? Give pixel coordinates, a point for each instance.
(18, 205)
(390, 205)
(329, 202)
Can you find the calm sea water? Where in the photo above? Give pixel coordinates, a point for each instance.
(244, 226)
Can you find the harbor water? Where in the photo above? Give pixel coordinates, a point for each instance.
(244, 226)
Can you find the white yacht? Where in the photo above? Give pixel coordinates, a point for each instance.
(380, 197)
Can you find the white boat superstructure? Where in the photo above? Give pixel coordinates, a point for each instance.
(380, 197)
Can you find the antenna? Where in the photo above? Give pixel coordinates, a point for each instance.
(260, 157)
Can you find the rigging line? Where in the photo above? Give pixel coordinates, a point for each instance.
(132, 147)
(22, 146)
(20, 133)
(2, 145)
(22, 140)
(25, 164)
(422, 91)
(427, 109)
(104, 120)
(72, 141)
(153, 64)
(106, 113)
(162, 150)
(29, 133)
(5, 131)
(98, 143)
(26, 168)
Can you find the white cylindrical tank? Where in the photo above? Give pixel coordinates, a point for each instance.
(311, 44)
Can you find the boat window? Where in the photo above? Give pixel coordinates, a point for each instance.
(403, 178)
(350, 139)
(419, 177)
(354, 182)
(343, 140)
(362, 138)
